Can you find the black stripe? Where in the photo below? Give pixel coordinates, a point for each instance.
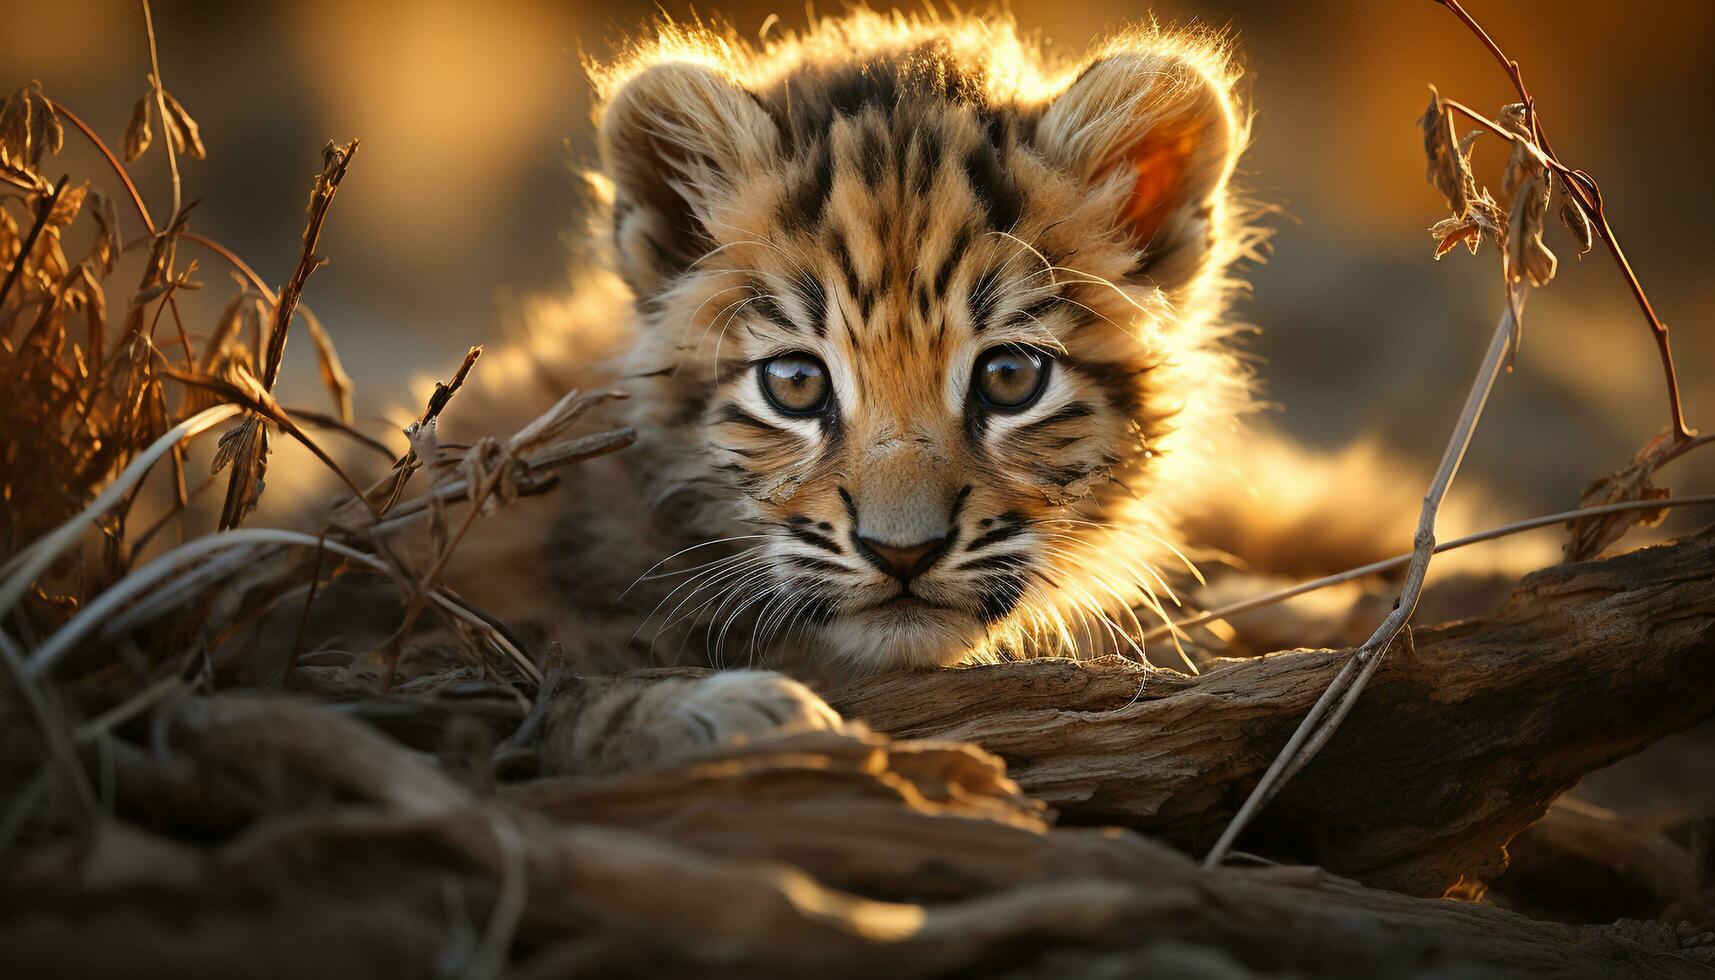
(1118, 381)
(738, 416)
(815, 300)
(1006, 561)
(848, 269)
(959, 505)
(998, 601)
(872, 154)
(805, 203)
(928, 160)
(994, 191)
(811, 564)
(984, 297)
(1069, 413)
(951, 262)
(816, 540)
(769, 308)
(1008, 525)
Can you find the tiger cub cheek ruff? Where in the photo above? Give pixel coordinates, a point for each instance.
(1113, 172)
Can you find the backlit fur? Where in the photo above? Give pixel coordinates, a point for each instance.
(895, 196)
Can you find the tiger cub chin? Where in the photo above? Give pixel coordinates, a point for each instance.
(922, 328)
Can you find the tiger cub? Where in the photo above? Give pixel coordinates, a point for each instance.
(924, 334)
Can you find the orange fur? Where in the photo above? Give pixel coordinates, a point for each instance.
(896, 197)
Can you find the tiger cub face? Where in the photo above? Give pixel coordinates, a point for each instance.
(931, 319)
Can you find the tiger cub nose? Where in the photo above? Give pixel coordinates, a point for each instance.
(903, 562)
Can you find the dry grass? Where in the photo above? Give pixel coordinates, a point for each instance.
(103, 401)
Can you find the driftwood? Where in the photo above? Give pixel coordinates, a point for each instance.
(277, 836)
(1458, 744)
(1581, 863)
(825, 854)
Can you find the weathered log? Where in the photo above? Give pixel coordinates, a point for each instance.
(847, 854)
(1581, 863)
(1453, 750)
(796, 857)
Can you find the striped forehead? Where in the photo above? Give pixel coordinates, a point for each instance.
(898, 233)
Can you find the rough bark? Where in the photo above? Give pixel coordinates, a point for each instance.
(1453, 750)
(338, 850)
(825, 854)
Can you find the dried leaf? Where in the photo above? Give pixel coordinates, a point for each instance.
(1449, 166)
(54, 132)
(231, 319)
(1449, 232)
(1482, 218)
(69, 204)
(1475, 213)
(245, 449)
(1577, 225)
(149, 294)
(51, 262)
(107, 244)
(1528, 258)
(138, 134)
(334, 378)
(228, 447)
(95, 314)
(1589, 536)
(10, 242)
(186, 134)
(25, 180)
(47, 135)
(15, 127)
(1521, 163)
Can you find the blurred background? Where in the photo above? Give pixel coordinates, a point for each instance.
(474, 117)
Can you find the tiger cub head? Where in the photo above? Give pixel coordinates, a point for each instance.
(931, 321)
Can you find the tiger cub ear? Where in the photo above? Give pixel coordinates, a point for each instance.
(678, 141)
(1156, 136)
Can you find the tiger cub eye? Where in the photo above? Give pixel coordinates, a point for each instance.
(1011, 376)
(796, 384)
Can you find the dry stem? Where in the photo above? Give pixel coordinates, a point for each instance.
(185, 556)
(1386, 564)
(1349, 683)
(1588, 196)
(161, 106)
(249, 459)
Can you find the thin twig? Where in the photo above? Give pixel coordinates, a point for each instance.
(1349, 683)
(263, 406)
(175, 562)
(322, 420)
(233, 260)
(392, 485)
(161, 105)
(249, 449)
(327, 185)
(112, 161)
(1387, 564)
(1585, 192)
